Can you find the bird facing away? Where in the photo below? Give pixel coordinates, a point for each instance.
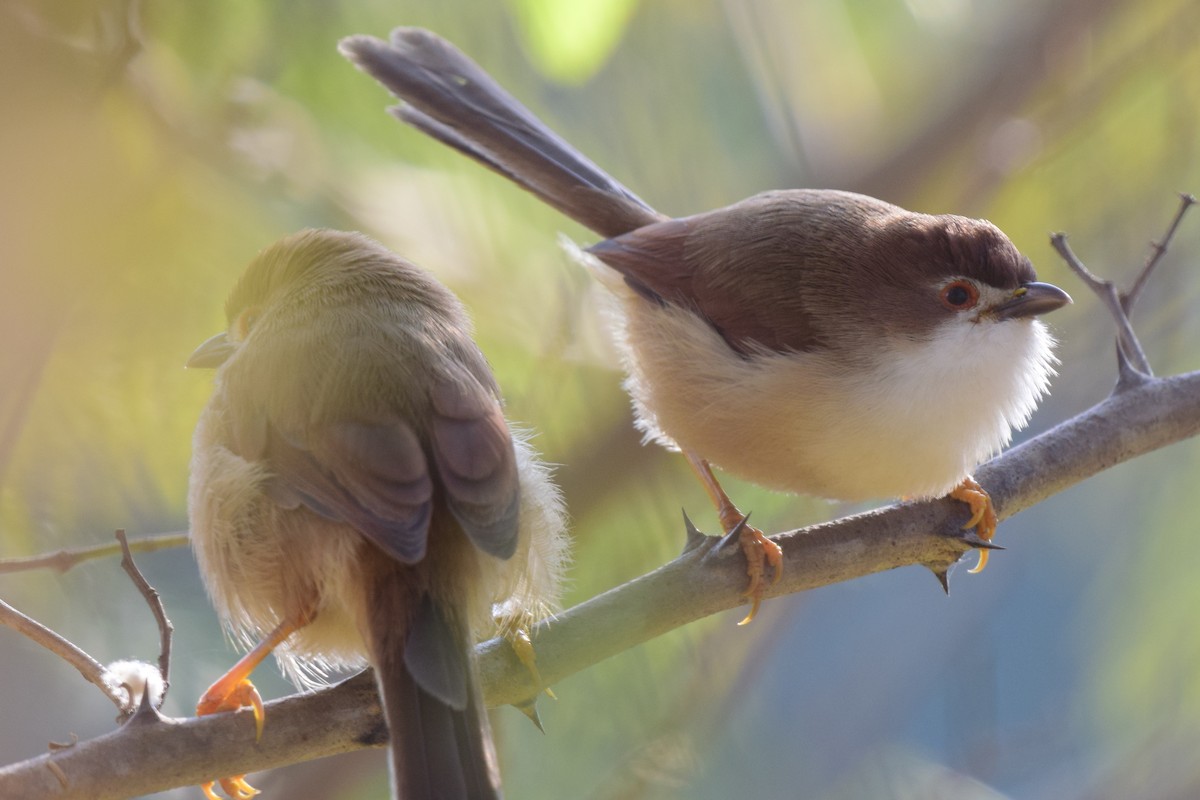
(357, 497)
(812, 341)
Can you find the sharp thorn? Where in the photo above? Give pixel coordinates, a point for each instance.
(693, 537)
(145, 713)
(529, 709)
(973, 539)
(943, 577)
(733, 535)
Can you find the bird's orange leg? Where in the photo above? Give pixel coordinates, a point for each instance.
(983, 515)
(759, 550)
(233, 690)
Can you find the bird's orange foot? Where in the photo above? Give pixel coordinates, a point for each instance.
(760, 552)
(519, 640)
(522, 645)
(983, 515)
(231, 695)
(236, 787)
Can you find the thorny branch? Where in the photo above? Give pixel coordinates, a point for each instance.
(1142, 415)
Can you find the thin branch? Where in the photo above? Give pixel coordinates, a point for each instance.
(1157, 251)
(158, 754)
(1132, 363)
(1129, 346)
(1144, 418)
(63, 560)
(151, 753)
(91, 669)
(150, 594)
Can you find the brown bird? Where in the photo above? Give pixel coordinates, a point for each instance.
(357, 497)
(811, 341)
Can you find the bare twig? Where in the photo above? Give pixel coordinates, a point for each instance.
(63, 560)
(1131, 358)
(91, 669)
(165, 628)
(1157, 251)
(1130, 352)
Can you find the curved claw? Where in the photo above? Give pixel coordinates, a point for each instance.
(233, 691)
(760, 551)
(757, 547)
(754, 606)
(222, 697)
(983, 515)
(237, 788)
(242, 694)
(983, 561)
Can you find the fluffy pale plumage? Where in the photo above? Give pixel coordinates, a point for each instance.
(840, 435)
(354, 462)
(252, 576)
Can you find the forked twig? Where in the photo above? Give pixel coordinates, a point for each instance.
(1157, 251)
(1129, 350)
(91, 669)
(165, 628)
(1131, 358)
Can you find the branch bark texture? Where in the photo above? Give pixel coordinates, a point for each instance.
(151, 753)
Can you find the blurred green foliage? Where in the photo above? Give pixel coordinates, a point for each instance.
(149, 149)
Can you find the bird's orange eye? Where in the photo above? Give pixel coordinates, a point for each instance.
(959, 295)
(245, 322)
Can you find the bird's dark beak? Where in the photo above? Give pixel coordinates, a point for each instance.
(1031, 300)
(212, 353)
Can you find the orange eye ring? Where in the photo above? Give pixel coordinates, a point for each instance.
(245, 321)
(959, 295)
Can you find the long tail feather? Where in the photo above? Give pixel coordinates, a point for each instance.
(452, 99)
(441, 743)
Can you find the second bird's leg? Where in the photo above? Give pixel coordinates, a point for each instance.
(514, 627)
(758, 549)
(233, 690)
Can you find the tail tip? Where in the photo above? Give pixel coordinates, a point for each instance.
(359, 47)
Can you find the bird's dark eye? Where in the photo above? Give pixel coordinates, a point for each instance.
(959, 295)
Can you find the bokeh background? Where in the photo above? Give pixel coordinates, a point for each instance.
(149, 149)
